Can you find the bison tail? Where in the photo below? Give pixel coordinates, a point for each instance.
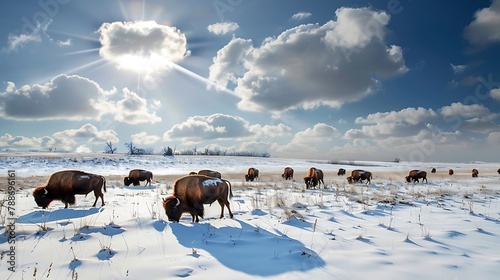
(230, 189)
(103, 183)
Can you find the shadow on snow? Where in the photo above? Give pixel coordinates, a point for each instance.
(248, 249)
(43, 216)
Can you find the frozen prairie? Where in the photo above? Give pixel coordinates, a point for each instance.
(447, 228)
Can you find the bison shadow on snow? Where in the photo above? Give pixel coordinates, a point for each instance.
(43, 216)
(230, 245)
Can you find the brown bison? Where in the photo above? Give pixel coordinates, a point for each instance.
(416, 175)
(359, 175)
(287, 173)
(433, 170)
(475, 173)
(137, 175)
(64, 185)
(209, 173)
(191, 192)
(450, 172)
(252, 174)
(314, 178)
(341, 172)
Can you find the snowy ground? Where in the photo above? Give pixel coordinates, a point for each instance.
(448, 228)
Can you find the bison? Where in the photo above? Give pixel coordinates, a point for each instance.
(209, 173)
(416, 175)
(475, 173)
(498, 171)
(433, 170)
(191, 192)
(287, 173)
(252, 174)
(314, 178)
(450, 172)
(359, 175)
(64, 185)
(341, 172)
(137, 175)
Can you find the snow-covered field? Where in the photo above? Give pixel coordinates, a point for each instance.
(448, 228)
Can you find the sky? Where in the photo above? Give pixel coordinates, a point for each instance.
(337, 80)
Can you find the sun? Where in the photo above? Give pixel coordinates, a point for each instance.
(142, 64)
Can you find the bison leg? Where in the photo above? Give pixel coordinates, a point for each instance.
(226, 203)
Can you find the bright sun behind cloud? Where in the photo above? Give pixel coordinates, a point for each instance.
(142, 46)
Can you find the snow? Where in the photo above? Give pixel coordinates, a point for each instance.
(448, 228)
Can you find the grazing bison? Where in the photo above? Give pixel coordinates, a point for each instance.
(287, 173)
(359, 175)
(433, 170)
(209, 173)
(136, 175)
(252, 174)
(475, 173)
(415, 175)
(450, 172)
(314, 178)
(64, 185)
(191, 192)
(341, 172)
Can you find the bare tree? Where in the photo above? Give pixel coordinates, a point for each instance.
(109, 149)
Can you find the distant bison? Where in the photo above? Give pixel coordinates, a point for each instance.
(287, 173)
(64, 185)
(191, 192)
(498, 171)
(415, 175)
(450, 172)
(475, 173)
(136, 175)
(209, 173)
(252, 174)
(433, 170)
(314, 178)
(359, 175)
(341, 172)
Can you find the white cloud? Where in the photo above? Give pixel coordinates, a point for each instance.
(83, 149)
(311, 65)
(270, 131)
(88, 133)
(465, 111)
(483, 30)
(222, 28)
(495, 94)
(18, 41)
(63, 97)
(301, 15)
(142, 46)
(313, 142)
(133, 109)
(457, 69)
(216, 126)
(404, 123)
(494, 139)
(143, 138)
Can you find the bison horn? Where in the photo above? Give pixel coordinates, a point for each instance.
(178, 202)
(45, 191)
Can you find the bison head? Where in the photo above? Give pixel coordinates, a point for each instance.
(408, 179)
(127, 181)
(173, 208)
(42, 197)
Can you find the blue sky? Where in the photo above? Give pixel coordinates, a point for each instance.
(339, 80)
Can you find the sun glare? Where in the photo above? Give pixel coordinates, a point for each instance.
(142, 64)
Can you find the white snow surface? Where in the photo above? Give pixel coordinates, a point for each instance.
(448, 228)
